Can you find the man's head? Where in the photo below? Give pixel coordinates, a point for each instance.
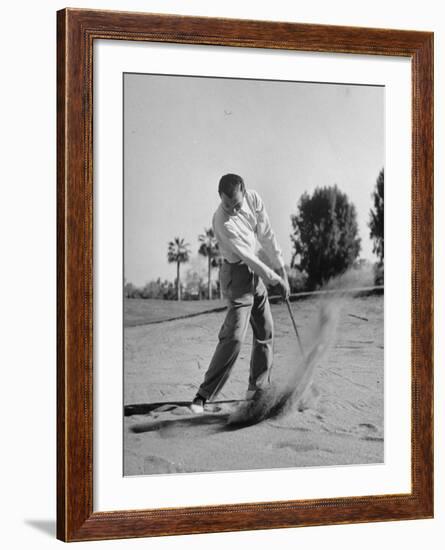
(231, 190)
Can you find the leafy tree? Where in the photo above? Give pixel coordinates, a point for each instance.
(209, 249)
(153, 289)
(376, 217)
(193, 285)
(179, 253)
(129, 289)
(325, 235)
(169, 290)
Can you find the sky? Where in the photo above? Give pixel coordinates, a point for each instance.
(181, 134)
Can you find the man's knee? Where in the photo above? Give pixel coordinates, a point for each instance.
(232, 334)
(268, 328)
(268, 333)
(264, 338)
(263, 328)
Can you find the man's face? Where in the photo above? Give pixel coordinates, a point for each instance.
(232, 205)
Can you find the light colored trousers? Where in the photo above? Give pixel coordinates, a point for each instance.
(247, 302)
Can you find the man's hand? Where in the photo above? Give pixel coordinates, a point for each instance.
(284, 283)
(283, 287)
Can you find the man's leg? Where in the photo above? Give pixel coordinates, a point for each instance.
(263, 331)
(231, 337)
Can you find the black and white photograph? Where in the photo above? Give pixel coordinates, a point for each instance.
(220, 327)
(253, 279)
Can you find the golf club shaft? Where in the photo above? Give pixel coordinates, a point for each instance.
(295, 326)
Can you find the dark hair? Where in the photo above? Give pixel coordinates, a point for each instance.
(229, 183)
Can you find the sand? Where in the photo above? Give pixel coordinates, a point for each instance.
(342, 422)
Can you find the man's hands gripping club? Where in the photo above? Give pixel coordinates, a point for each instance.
(283, 284)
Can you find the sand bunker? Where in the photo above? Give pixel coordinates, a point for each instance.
(331, 412)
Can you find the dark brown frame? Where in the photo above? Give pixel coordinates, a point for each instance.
(76, 32)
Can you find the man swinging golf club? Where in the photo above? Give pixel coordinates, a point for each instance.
(239, 223)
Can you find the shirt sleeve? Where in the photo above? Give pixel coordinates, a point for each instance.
(233, 241)
(266, 236)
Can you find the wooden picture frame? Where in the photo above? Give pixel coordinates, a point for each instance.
(76, 32)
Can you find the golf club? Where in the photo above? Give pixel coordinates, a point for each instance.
(295, 327)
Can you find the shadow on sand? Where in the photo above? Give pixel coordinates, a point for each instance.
(200, 425)
(219, 416)
(166, 406)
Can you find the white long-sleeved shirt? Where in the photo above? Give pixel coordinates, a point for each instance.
(238, 235)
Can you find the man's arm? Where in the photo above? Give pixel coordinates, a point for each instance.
(284, 287)
(268, 275)
(268, 241)
(232, 240)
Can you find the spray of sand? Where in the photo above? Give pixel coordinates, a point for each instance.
(273, 400)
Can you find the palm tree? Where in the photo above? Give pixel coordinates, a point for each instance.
(209, 249)
(179, 253)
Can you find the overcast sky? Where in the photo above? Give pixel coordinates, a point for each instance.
(181, 134)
